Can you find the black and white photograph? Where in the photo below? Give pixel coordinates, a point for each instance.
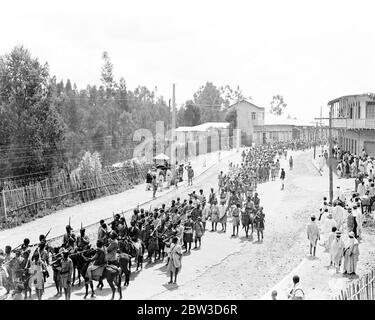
(216, 151)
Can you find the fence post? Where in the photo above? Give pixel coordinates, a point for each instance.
(358, 293)
(5, 205)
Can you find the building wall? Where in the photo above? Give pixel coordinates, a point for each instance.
(245, 117)
(357, 111)
(355, 141)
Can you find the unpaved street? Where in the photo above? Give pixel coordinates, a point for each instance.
(248, 267)
(241, 268)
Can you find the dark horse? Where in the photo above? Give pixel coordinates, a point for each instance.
(111, 273)
(247, 219)
(134, 250)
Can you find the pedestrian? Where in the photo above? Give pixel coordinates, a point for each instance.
(327, 226)
(36, 272)
(148, 180)
(351, 253)
(350, 223)
(66, 274)
(259, 223)
(336, 251)
(331, 237)
(338, 216)
(313, 235)
(236, 219)
(214, 215)
(190, 173)
(290, 163)
(154, 187)
(174, 263)
(56, 267)
(296, 293)
(206, 213)
(199, 231)
(188, 234)
(223, 216)
(282, 178)
(274, 295)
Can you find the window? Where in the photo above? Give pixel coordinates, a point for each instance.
(370, 110)
(359, 111)
(253, 116)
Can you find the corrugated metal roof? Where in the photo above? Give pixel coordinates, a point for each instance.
(204, 127)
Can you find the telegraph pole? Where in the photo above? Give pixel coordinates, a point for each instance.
(330, 156)
(173, 125)
(315, 134)
(330, 142)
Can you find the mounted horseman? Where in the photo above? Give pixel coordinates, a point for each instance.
(99, 270)
(82, 245)
(69, 239)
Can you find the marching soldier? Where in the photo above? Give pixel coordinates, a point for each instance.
(66, 274)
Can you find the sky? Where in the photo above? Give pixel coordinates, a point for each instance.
(309, 52)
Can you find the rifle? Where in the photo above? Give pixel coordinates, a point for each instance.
(45, 237)
(14, 249)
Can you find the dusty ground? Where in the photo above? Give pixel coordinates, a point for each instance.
(240, 268)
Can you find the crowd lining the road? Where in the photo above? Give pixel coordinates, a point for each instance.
(339, 227)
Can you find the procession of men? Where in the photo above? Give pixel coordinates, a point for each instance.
(166, 233)
(156, 235)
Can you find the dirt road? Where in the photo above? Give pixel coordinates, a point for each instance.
(239, 268)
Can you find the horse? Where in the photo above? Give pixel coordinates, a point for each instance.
(134, 249)
(125, 264)
(110, 272)
(247, 219)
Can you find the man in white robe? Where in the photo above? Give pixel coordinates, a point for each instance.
(338, 216)
(337, 251)
(313, 235)
(339, 195)
(361, 189)
(351, 254)
(327, 226)
(357, 213)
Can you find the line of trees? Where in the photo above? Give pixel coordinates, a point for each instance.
(47, 125)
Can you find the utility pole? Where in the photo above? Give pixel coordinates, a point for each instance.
(321, 128)
(315, 134)
(330, 156)
(173, 125)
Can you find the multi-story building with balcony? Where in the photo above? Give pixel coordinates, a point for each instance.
(353, 123)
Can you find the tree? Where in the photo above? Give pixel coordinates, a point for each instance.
(231, 96)
(31, 129)
(107, 73)
(191, 116)
(208, 99)
(277, 105)
(231, 117)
